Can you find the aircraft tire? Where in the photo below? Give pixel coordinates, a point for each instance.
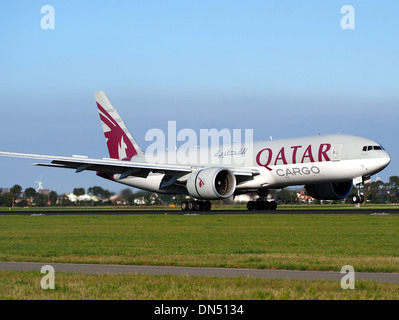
(272, 205)
(192, 205)
(199, 205)
(207, 206)
(250, 205)
(184, 206)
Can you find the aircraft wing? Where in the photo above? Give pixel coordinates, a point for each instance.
(124, 168)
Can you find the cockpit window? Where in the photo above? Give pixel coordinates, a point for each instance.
(368, 148)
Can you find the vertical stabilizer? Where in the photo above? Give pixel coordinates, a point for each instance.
(121, 144)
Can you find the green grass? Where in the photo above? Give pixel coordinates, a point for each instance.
(273, 241)
(26, 285)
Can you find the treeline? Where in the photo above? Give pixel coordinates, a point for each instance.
(93, 196)
(376, 192)
(16, 196)
(380, 192)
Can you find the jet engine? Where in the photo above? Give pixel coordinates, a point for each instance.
(329, 191)
(211, 183)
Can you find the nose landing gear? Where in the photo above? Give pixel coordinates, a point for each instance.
(359, 198)
(359, 184)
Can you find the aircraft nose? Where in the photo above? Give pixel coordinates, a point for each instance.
(387, 158)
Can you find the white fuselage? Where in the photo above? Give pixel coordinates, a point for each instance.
(288, 162)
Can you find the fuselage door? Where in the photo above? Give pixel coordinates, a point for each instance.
(336, 153)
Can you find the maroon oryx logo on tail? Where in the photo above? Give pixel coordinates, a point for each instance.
(119, 144)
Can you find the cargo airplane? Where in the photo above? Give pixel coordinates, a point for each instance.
(328, 166)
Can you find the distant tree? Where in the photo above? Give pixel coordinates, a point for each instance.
(286, 196)
(394, 182)
(53, 196)
(7, 199)
(16, 190)
(95, 191)
(42, 200)
(79, 192)
(30, 193)
(127, 195)
(106, 195)
(99, 192)
(64, 200)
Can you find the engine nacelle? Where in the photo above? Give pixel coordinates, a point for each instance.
(211, 183)
(329, 191)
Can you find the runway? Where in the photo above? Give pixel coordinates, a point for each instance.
(379, 211)
(197, 271)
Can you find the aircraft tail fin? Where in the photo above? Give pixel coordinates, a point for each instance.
(121, 144)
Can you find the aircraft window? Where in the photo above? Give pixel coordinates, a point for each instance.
(368, 148)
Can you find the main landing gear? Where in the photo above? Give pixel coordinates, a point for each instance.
(261, 203)
(196, 205)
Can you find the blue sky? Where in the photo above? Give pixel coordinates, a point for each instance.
(282, 68)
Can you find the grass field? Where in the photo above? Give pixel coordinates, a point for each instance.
(26, 285)
(273, 241)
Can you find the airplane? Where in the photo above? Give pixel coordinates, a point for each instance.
(327, 165)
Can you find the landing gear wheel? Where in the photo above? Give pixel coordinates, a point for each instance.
(207, 206)
(196, 205)
(200, 205)
(261, 205)
(358, 198)
(250, 205)
(272, 205)
(184, 205)
(192, 205)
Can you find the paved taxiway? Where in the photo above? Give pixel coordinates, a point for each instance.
(197, 271)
